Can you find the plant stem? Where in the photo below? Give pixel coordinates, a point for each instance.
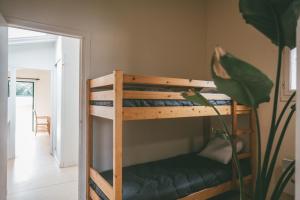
(284, 109)
(258, 154)
(275, 104)
(276, 152)
(234, 153)
(283, 180)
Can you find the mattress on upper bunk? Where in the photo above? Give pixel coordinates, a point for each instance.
(171, 178)
(215, 97)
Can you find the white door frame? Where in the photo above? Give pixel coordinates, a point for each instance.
(85, 48)
(3, 106)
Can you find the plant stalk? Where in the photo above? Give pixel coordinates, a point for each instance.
(283, 180)
(234, 153)
(258, 154)
(276, 152)
(284, 110)
(275, 105)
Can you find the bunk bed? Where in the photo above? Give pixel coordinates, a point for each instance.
(123, 97)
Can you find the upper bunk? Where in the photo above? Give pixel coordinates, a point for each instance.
(138, 97)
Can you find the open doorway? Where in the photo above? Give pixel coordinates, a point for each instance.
(43, 105)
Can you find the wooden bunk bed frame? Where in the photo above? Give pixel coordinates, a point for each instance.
(120, 114)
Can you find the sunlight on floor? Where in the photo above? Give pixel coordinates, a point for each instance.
(34, 174)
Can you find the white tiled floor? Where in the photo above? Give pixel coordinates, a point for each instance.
(34, 174)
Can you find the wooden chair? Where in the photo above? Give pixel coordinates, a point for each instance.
(42, 123)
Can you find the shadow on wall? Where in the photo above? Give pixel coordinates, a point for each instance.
(144, 141)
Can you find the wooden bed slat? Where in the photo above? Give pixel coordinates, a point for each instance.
(166, 95)
(102, 96)
(102, 81)
(243, 131)
(155, 80)
(210, 192)
(214, 191)
(244, 155)
(241, 110)
(94, 195)
(143, 113)
(102, 111)
(106, 188)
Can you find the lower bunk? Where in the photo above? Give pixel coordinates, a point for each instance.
(180, 177)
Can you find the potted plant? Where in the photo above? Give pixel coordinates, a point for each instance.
(246, 84)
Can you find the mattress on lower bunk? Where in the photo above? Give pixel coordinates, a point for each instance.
(171, 178)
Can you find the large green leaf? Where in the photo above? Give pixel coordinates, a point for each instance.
(196, 97)
(240, 80)
(262, 14)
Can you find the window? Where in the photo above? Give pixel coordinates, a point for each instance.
(289, 80)
(293, 68)
(24, 89)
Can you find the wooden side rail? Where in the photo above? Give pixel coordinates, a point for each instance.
(102, 111)
(102, 96)
(106, 188)
(102, 81)
(93, 195)
(217, 190)
(144, 113)
(156, 80)
(166, 95)
(165, 112)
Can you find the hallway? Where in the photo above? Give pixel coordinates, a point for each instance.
(34, 174)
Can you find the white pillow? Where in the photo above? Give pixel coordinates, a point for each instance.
(220, 150)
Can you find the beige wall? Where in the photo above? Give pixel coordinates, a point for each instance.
(42, 89)
(227, 29)
(143, 37)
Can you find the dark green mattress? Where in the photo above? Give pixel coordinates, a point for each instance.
(171, 178)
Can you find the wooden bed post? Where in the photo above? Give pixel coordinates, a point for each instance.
(118, 134)
(89, 140)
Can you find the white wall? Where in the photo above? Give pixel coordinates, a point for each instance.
(32, 55)
(11, 115)
(68, 101)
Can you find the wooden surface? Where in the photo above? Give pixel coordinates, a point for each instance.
(102, 81)
(106, 188)
(244, 155)
(102, 111)
(93, 195)
(156, 80)
(118, 135)
(102, 96)
(118, 114)
(131, 94)
(143, 113)
(214, 191)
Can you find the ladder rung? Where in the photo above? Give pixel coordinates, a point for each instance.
(244, 156)
(243, 112)
(243, 131)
